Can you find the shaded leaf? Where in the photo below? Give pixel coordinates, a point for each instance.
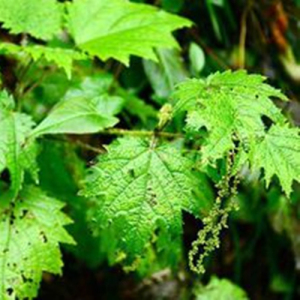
(166, 73)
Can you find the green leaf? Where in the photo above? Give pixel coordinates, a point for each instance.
(221, 289)
(99, 86)
(61, 57)
(139, 187)
(31, 231)
(76, 115)
(39, 18)
(15, 154)
(117, 28)
(166, 73)
(278, 153)
(103, 84)
(229, 106)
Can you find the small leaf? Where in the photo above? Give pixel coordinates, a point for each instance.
(197, 58)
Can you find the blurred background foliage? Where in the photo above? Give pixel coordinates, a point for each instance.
(260, 252)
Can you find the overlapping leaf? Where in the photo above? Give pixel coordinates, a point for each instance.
(40, 18)
(140, 187)
(31, 231)
(118, 28)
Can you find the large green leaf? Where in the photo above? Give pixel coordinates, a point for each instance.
(139, 187)
(118, 28)
(77, 115)
(233, 107)
(229, 105)
(40, 18)
(31, 231)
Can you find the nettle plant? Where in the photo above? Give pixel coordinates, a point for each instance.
(134, 195)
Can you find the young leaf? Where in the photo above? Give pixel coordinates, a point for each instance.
(31, 231)
(76, 115)
(61, 57)
(278, 153)
(40, 18)
(134, 29)
(140, 187)
(14, 153)
(228, 104)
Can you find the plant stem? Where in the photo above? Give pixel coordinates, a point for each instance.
(243, 34)
(119, 131)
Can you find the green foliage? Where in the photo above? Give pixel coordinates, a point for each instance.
(130, 206)
(40, 18)
(139, 187)
(231, 107)
(31, 230)
(135, 29)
